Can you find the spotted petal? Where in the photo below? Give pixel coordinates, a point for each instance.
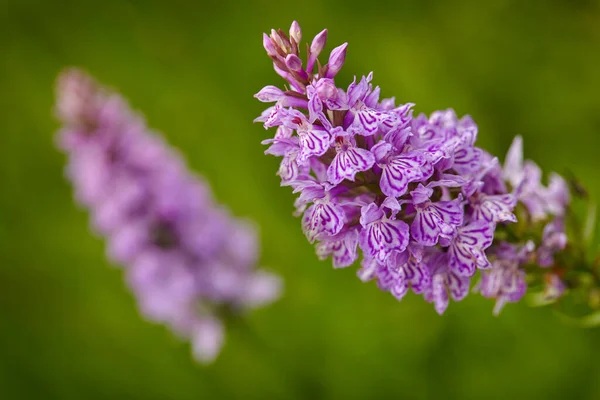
(342, 248)
(497, 208)
(439, 293)
(281, 147)
(398, 171)
(289, 170)
(467, 249)
(323, 219)
(315, 106)
(417, 275)
(458, 285)
(397, 135)
(368, 268)
(467, 160)
(381, 236)
(348, 162)
(313, 142)
(399, 287)
(446, 284)
(435, 219)
(366, 120)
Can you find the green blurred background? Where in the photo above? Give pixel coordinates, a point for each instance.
(69, 328)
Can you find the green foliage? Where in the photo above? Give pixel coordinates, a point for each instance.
(69, 328)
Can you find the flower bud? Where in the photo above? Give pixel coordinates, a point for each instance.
(269, 94)
(277, 39)
(75, 97)
(268, 45)
(296, 32)
(318, 43)
(326, 89)
(336, 60)
(293, 62)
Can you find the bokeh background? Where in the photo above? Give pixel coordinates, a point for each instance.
(69, 328)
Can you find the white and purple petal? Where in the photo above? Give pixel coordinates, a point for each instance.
(322, 220)
(467, 160)
(466, 252)
(496, 208)
(417, 275)
(433, 220)
(398, 171)
(342, 248)
(313, 142)
(381, 236)
(362, 120)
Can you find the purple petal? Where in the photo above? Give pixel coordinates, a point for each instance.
(380, 238)
(269, 94)
(467, 160)
(342, 248)
(281, 147)
(318, 42)
(366, 121)
(467, 249)
(385, 277)
(398, 171)
(497, 208)
(370, 213)
(439, 293)
(372, 99)
(323, 219)
(368, 268)
(435, 219)
(277, 116)
(289, 170)
(348, 162)
(261, 289)
(313, 142)
(421, 194)
(513, 164)
(381, 151)
(448, 180)
(399, 288)
(557, 195)
(293, 62)
(398, 136)
(417, 275)
(315, 108)
(356, 92)
(458, 286)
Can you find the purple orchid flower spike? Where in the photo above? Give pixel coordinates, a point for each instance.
(185, 257)
(424, 205)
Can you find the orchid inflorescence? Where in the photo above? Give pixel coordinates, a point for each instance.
(426, 207)
(190, 264)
